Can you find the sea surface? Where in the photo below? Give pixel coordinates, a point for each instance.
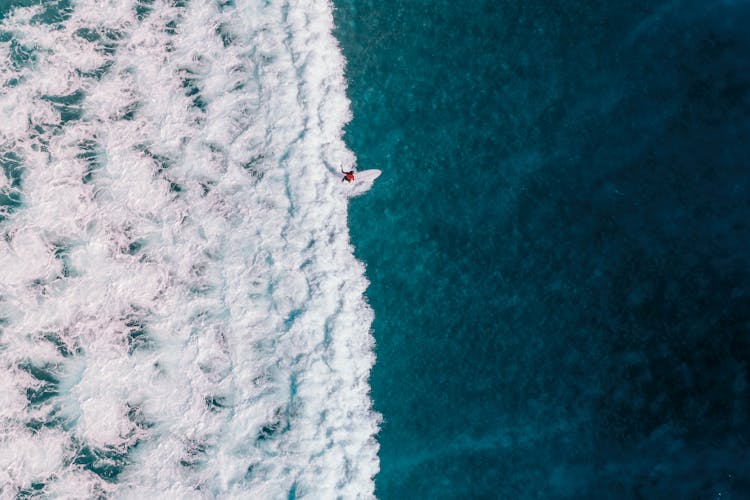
(557, 252)
(559, 245)
(181, 312)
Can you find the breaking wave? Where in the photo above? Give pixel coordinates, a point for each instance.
(180, 308)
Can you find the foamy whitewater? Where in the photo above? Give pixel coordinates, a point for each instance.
(181, 313)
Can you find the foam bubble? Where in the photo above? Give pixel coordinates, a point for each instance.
(180, 308)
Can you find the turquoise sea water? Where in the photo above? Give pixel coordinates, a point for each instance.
(558, 246)
(557, 250)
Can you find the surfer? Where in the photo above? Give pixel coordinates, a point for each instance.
(348, 176)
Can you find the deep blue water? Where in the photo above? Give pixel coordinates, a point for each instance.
(559, 245)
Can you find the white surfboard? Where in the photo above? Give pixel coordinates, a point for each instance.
(362, 181)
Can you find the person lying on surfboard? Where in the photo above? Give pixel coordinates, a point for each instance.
(348, 176)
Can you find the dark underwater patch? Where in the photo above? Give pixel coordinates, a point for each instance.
(60, 345)
(161, 162)
(11, 199)
(61, 251)
(215, 404)
(36, 490)
(107, 463)
(20, 55)
(194, 454)
(227, 38)
(274, 428)
(69, 105)
(47, 383)
(143, 8)
(91, 153)
(55, 11)
(138, 338)
(192, 90)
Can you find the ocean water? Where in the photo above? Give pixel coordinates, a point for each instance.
(181, 313)
(558, 247)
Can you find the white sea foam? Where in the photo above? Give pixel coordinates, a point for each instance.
(181, 313)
